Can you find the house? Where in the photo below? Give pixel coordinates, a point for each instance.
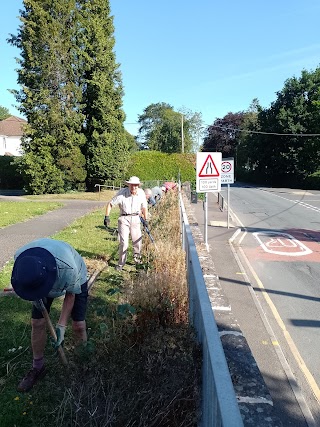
(11, 131)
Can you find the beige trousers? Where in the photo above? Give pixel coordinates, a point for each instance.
(129, 225)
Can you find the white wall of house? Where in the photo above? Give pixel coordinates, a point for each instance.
(10, 144)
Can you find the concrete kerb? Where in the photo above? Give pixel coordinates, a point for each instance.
(255, 403)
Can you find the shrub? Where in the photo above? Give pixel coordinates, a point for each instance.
(10, 178)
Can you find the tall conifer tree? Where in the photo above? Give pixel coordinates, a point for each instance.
(107, 147)
(50, 98)
(70, 93)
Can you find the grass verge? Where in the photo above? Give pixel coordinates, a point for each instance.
(13, 212)
(74, 195)
(141, 365)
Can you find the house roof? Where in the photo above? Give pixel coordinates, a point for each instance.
(12, 126)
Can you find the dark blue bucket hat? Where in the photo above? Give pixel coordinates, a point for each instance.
(34, 273)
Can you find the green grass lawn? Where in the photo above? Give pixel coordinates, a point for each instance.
(78, 195)
(13, 212)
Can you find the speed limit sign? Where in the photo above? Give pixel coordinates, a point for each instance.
(227, 171)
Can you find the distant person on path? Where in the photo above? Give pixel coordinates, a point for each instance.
(132, 203)
(46, 269)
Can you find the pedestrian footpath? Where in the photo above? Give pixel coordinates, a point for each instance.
(14, 236)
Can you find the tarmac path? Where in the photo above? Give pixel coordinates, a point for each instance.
(14, 236)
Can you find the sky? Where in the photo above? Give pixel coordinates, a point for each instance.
(207, 56)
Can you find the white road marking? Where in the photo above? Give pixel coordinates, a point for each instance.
(281, 240)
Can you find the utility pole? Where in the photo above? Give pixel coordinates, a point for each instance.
(182, 136)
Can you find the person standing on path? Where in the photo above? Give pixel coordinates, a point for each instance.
(132, 203)
(46, 269)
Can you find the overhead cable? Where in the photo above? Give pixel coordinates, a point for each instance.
(306, 135)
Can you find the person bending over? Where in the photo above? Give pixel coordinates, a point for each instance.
(46, 269)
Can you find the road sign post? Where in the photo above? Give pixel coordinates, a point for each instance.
(208, 181)
(208, 172)
(227, 177)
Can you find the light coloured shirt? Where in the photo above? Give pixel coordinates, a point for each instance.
(156, 193)
(71, 269)
(128, 203)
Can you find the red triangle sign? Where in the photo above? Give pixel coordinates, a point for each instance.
(209, 168)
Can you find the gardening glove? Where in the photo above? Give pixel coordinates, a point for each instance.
(60, 330)
(106, 221)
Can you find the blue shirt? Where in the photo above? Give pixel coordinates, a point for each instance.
(71, 269)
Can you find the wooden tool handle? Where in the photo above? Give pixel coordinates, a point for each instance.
(52, 331)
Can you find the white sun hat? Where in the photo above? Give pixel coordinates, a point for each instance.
(134, 180)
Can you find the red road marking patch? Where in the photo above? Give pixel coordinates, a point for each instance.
(289, 245)
(278, 243)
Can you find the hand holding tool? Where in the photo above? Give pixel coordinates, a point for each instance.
(52, 330)
(106, 221)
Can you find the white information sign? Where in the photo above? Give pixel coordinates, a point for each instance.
(208, 172)
(227, 171)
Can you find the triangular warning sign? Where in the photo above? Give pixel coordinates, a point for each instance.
(209, 168)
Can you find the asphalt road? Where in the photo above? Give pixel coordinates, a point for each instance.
(277, 253)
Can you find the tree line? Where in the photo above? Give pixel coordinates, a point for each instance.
(279, 145)
(71, 95)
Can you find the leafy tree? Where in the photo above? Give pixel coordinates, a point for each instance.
(4, 113)
(71, 95)
(246, 144)
(107, 146)
(132, 142)
(223, 135)
(50, 97)
(161, 129)
(193, 128)
(282, 156)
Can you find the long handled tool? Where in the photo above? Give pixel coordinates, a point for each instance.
(113, 231)
(144, 223)
(52, 330)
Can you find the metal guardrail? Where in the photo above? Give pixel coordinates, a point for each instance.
(219, 405)
(112, 186)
